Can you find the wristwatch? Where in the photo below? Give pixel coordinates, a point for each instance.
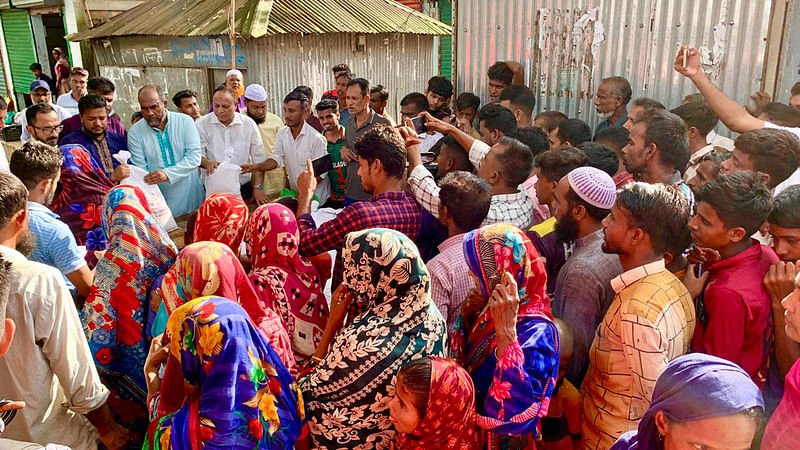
(260, 187)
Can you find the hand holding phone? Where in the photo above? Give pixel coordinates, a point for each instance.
(322, 165)
(419, 125)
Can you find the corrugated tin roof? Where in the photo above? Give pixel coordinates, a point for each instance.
(256, 18)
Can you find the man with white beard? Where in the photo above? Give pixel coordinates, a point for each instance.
(611, 102)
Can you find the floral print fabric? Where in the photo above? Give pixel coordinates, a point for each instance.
(222, 218)
(117, 307)
(223, 386)
(513, 389)
(348, 393)
(286, 282)
(450, 420)
(79, 201)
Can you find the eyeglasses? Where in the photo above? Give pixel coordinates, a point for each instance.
(48, 130)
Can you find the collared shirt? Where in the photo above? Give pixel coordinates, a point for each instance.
(237, 143)
(735, 321)
(74, 124)
(292, 153)
(102, 148)
(274, 180)
(694, 161)
(394, 210)
(583, 294)
(55, 243)
(450, 280)
(177, 152)
(622, 178)
(68, 102)
(354, 190)
(540, 212)
(649, 323)
(606, 124)
(337, 175)
(515, 209)
(678, 182)
(20, 119)
(48, 365)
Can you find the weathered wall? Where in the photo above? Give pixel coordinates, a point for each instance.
(402, 63)
(568, 46)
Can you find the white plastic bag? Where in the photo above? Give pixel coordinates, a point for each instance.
(224, 180)
(155, 199)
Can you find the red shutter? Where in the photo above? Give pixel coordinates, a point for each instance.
(413, 4)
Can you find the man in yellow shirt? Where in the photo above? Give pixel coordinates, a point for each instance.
(255, 98)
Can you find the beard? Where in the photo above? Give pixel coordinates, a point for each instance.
(27, 243)
(155, 121)
(256, 119)
(566, 229)
(609, 247)
(605, 115)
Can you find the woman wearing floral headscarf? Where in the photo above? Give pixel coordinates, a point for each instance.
(285, 281)
(222, 218)
(211, 268)
(224, 385)
(505, 336)
(348, 392)
(118, 306)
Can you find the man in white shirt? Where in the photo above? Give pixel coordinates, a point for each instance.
(296, 143)
(40, 93)
(231, 137)
(48, 364)
(78, 79)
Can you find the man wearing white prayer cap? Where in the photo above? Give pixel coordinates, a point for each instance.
(234, 80)
(255, 99)
(583, 292)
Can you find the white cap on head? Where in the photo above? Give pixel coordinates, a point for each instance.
(256, 93)
(594, 186)
(234, 72)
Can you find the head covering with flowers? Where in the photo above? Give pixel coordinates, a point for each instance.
(222, 218)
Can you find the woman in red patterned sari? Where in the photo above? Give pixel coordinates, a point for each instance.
(222, 218)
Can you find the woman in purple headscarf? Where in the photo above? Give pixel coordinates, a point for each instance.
(699, 401)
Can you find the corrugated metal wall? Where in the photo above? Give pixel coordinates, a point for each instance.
(568, 46)
(402, 63)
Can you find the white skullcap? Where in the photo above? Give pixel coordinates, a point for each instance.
(594, 186)
(256, 93)
(234, 72)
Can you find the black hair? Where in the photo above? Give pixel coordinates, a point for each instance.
(717, 158)
(186, 93)
(534, 138)
(461, 188)
(416, 98)
(621, 88)
(379, 92)
(786, 208)
(671, 137)
(697, 97)
(40, 108)
(740, 200)
(774, 152)
(35, 162)
(305, 90)
(648, 103)
(660, 210)
(13, 196)
(459, 153)
(555, 163)
(224, 88)
(295, 96)
(467, 100)
(698, 115)
(440, 86)
(501, 72)
(520, 97)
(347, 74)
(781, 114)
(137, 115)
(515, 160)
(289, 202)
(91, 101)
(100, 85)
(551, 119)
(496, 117)
(343, 67)
(574, 131)
(35, 66)
(601, 157)
(384, 144)
(362, 83)
(327, 103)
(615, 137)
(416, 379)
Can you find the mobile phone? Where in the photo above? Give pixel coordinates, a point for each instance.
(322, 165)
(419, 124)
(427, 157)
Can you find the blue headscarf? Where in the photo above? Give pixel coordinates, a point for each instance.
(694, 387)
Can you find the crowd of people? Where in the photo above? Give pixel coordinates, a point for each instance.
(461, 276)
